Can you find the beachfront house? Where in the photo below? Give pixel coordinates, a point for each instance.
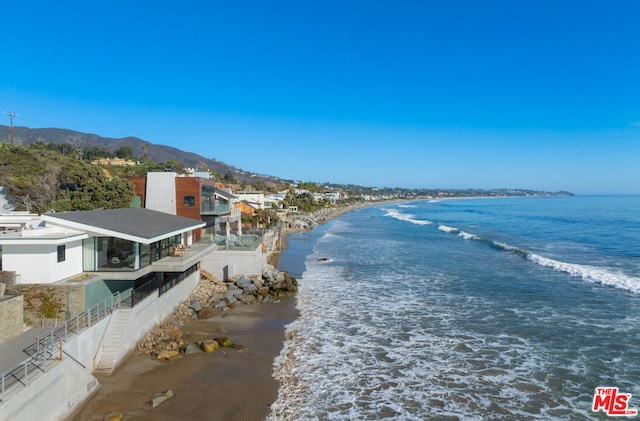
(194, 197)
(92, 254)
(238, 251)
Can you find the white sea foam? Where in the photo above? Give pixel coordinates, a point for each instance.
(467, 236)
(447, 229)
(394, 213)
(354, 356)
(590, 273)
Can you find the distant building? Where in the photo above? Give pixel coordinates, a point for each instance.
(191, 197)
(255, 197)
(114, 161)
(248, 209)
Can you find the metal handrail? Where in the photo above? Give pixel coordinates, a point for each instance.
(48, 347)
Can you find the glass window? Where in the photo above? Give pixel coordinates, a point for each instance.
(136, 202)
(61, 253)
(189, 201)
(145, 255)
(117, 254)
(89, 254)
(207, 197)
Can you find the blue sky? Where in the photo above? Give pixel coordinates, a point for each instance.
(418, 94)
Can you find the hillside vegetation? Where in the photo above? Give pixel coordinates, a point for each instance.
(39, 180)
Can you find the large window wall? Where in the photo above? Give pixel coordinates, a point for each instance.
(207, 199)
(116, 254)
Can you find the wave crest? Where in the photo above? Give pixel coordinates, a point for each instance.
(394, 213)
(585, 272)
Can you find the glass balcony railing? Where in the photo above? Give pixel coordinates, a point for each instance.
(235, 242)
(218, 209)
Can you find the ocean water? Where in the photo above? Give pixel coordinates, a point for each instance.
(482, 309)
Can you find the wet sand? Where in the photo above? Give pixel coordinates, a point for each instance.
(223, 385)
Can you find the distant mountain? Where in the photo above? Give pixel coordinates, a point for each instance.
(156, 153)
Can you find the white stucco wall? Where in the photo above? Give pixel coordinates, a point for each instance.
(51, 396)
(64, 387)
(227, 264)
(38, 264)
(161, 192)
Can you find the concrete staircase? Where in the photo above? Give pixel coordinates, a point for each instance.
(113, 340)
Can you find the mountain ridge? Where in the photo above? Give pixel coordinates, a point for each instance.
(156, 152)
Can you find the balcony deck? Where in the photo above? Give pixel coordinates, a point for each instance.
(189, 256)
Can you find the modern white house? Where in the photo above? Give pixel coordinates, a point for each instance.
(65, 244)
(111, 250)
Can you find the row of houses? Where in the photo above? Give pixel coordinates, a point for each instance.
(176, 225)
(171, 217)
(143, 261)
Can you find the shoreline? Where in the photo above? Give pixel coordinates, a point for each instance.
(227, 384)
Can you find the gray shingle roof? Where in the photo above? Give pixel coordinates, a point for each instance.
(136, 222)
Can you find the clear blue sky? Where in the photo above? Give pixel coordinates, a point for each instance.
(436, 94)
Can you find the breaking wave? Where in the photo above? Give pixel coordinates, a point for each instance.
(587, 273)
(407, 217)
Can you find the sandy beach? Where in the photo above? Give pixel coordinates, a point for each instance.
(223, 385)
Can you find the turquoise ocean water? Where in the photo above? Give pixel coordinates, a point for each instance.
(501, 309)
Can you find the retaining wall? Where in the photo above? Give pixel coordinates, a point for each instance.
(11, 323)
(56, 394)
(227, 264)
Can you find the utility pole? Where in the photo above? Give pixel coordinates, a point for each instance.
(11, 115)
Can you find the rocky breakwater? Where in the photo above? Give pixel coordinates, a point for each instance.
(212, 296)
(307, 221)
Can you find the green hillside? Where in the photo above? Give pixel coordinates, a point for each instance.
(39, 180)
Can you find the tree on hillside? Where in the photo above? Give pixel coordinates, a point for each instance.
(229, 179)
(85, 187)
(125, 152)
(31, 176)
(93, 152)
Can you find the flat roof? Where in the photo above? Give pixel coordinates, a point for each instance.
(136, 224)
(41, 236)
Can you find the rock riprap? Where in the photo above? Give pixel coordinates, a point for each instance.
(213, 296)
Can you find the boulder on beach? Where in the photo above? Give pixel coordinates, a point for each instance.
(224, 341)
(206, 313)
(210, 297)
(209, 345)
(114, 416)
(160, 398)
